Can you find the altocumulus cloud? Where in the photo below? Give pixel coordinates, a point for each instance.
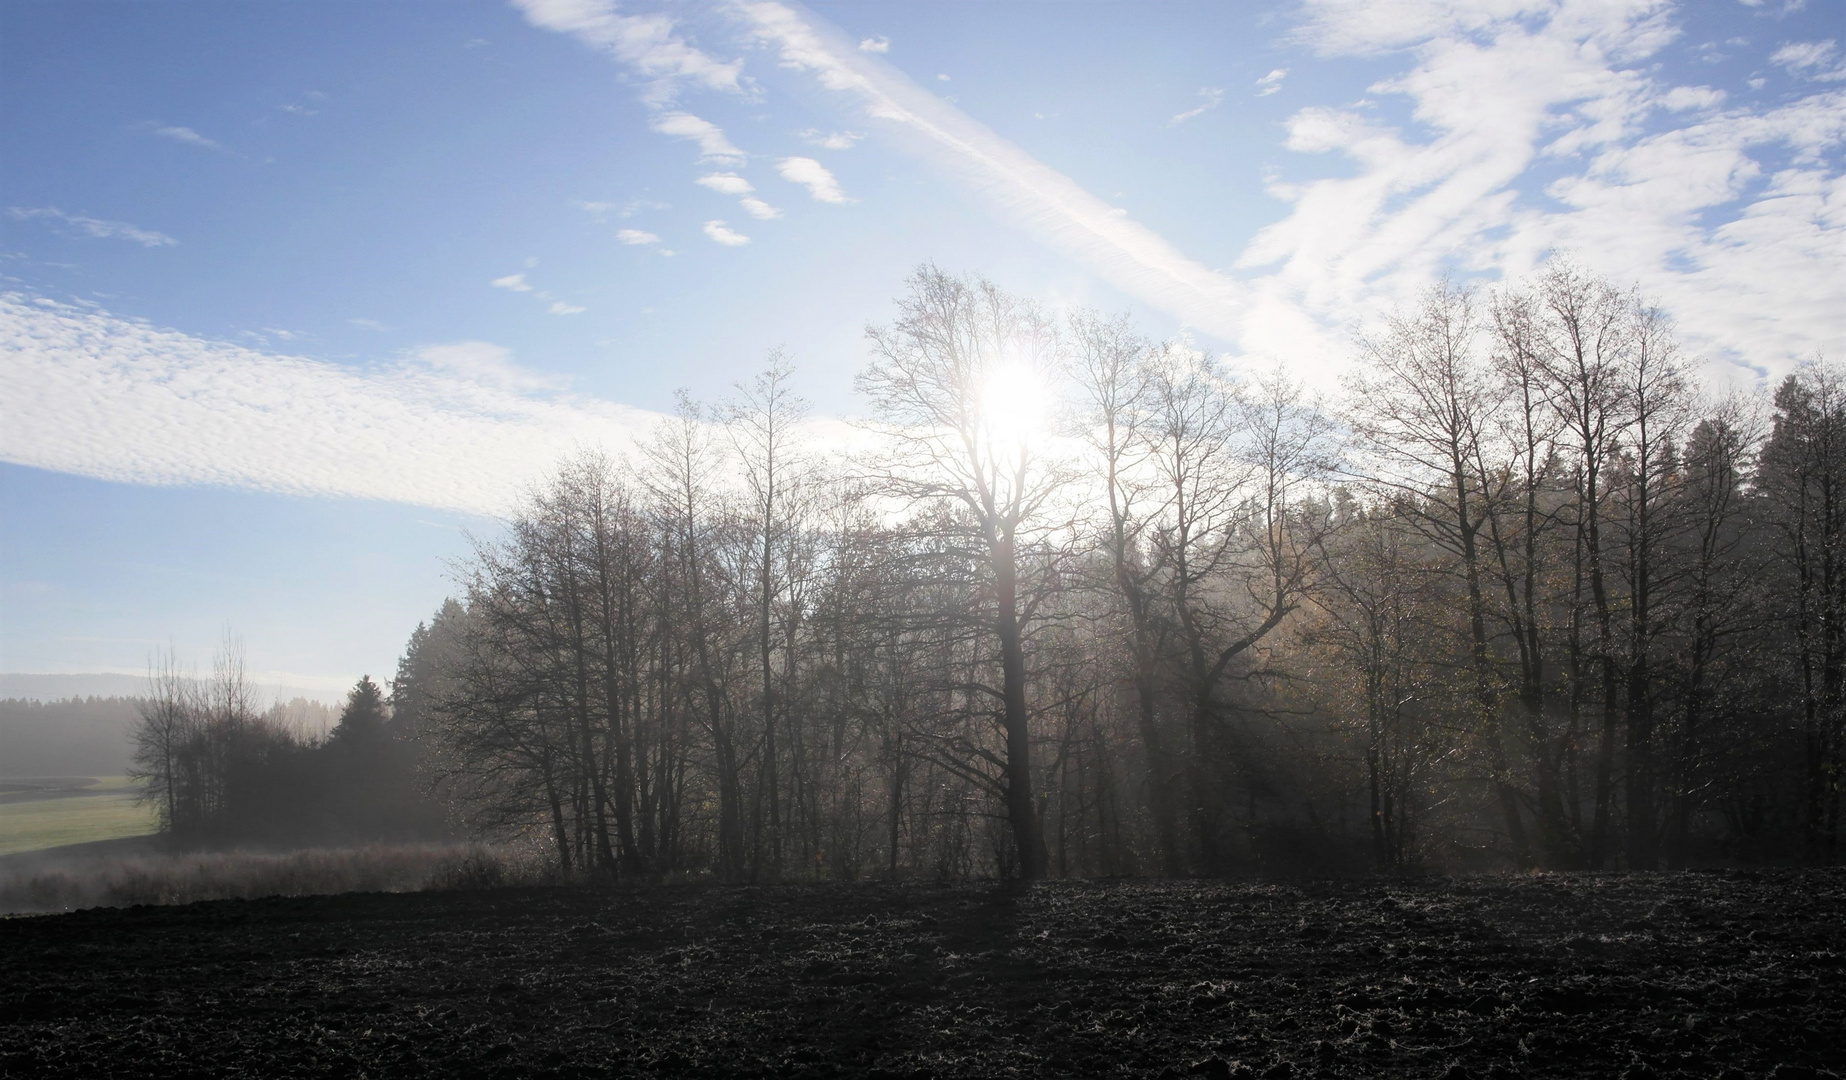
(455, 426)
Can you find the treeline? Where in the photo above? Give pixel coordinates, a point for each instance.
(221, 770)
(75, 736)
(1087, 604)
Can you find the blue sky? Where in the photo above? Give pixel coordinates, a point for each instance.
(293, 295)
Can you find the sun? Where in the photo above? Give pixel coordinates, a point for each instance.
(1012, 407)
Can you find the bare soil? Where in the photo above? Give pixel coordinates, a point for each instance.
(1723, 974)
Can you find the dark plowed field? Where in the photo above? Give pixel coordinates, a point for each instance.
(1696, 974)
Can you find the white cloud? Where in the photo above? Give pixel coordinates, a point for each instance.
(1735, 220)
(1367, 28)
(649, 46)
(1807, 59)
(646, 43)
(718, 232)
(831, 140)
(875, 45)
(1681, 98)
(726, 184)
(713, 146)
(1214, 96)
(732, 184)
(1736, 212)
(89, 226)
(482, 363)
(266, 334)
(637, 236)
(759, 209)
(1023, 192)
(517, 282)
(187, 136)
(814, 176)
(1271, 83)
(453, 426)
(600, 211)
(306, 106)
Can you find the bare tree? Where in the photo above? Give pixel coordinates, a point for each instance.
(1425, 410)
(1114, 370)
(939, 381)
(1583, 333)
(1646, 475)
(1804, 475)
(763, 425)
(168, 717)
(1374, 586)
(1236, 552)
(1722, 573)
(970, 658)
(683, 462)
(1521, 529)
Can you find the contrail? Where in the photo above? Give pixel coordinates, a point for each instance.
(1022, 190)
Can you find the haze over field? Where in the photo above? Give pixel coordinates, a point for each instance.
(294, 295)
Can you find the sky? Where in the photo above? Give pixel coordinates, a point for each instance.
(296, 298)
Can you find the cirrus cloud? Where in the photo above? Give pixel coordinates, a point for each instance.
(96, 227)
(189, 137)
(648, 44)
(1214, 96)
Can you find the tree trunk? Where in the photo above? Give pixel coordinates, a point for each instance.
(1021, 809)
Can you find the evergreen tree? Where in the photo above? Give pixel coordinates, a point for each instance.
(362, 722)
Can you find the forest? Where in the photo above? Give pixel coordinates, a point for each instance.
(1072, 602)
(223, 772)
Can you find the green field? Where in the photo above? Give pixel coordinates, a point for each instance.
(38, 814)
